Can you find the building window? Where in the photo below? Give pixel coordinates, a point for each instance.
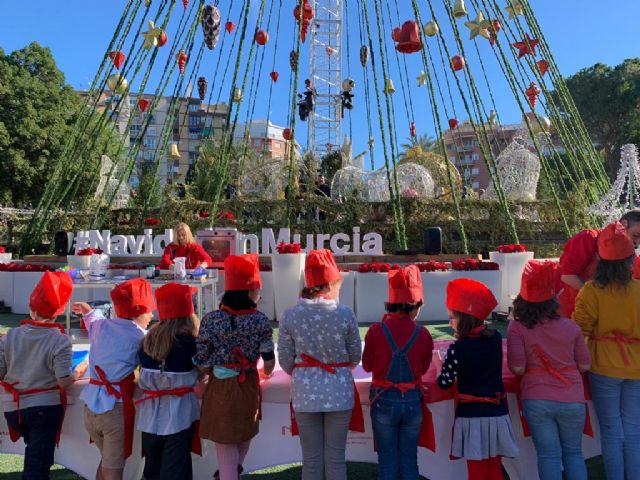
(194, 107)
(194, 121)
(150, 142)
(476, 185)
(475, 157)
(475, 171)
(275, 145)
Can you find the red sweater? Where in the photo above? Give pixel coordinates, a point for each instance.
(194, 253)
(376, 357)
(579, 257)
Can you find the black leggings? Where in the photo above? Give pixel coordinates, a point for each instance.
(168, 457)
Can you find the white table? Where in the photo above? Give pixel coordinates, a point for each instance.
(110, 283)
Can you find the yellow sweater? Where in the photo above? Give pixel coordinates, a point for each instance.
(607, 312)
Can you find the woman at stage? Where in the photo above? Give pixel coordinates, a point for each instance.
(186, 247)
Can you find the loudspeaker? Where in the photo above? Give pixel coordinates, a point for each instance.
(63, 243)
(433, 241)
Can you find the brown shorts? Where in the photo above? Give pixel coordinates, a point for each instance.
(107, 432)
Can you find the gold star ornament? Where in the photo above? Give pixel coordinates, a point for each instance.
(479, 26)
(151, 35)
(514, 9)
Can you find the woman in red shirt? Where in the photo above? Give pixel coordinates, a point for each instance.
(398, 352)
(186, 247)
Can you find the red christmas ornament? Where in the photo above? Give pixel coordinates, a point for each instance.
(453, 123)
(185, 3)
(306, 16)
(527, 46)
(230, 27)
(496, 25)
(412, 129)
(262, 38)
(182, 60)
(532, 94)
(143, 103)
(458, 62)
(274, 76)
(162, 39)
(408, 38)
(286, 134)
(396, 33)
(543, 66)
(118, 58)
(492, 39)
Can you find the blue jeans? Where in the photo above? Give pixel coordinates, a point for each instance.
(617, 403)
(557, 428)
(396, 428)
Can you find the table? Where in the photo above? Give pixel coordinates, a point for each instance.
(274, 445)
(110, 283)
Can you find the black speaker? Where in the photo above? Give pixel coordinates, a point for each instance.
(63, 243)
(433, 241)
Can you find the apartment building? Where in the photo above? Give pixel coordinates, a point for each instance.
(264, 137)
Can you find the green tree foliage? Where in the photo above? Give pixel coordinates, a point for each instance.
(608, 100)
(426, 142)
(148, 190)
(38, 111)
(330, 164)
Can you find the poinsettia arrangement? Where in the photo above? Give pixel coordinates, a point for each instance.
(2, 249)
(24, 267)
(472, 264)
(204, 214)
(376, 267)
(226, 215)
(433, 266)
(512, 248)
(86, 252)
(289, 248)
(151, 221)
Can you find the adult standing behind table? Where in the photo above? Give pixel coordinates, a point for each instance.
(579, 257)
(319, 345)
(608, 311)
(186, 247)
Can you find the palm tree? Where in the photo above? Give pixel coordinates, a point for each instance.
(426, 142)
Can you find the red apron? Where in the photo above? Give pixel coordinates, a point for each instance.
(127, 387)
(357, 418)
(427, 437)
(621, 340)
(11, 389)
(196, 446)
(557, 373)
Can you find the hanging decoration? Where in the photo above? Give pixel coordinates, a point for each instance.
(286, 134)
(457, 62)
(527, 46)
(143, 104)
(364, 55)
(151, 35)
(532, 94)
(453, 123)
(330, 50)
(185, 3)
(117, 83)
(147, 3)
(202, 88)
(431, 28)
(514, 9)
(174, 153)
(274, 76)
(479, 26)
(412, 129)
(459, 9)
(408, 37)
(389, 88)
(237, 95)
(262, 38)
(539, 123)
(229, 27)
(293, 60)
(543, 66)
(162, 38)
(422, 79)
(211, 26)
(306, 15)
(492, 117)
(181, 58)
(117, 57)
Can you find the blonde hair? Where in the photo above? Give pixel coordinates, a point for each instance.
(158, 341)
(187, 233)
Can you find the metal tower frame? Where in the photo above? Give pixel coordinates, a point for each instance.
(326, 76)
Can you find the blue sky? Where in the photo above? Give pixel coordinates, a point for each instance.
(579, 32)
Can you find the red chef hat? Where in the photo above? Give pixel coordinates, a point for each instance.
(471, 297)
(320, 268)
(405, 285)
(539, 281)
(132, 298)
(51, 294)
(175, 301)
(242, 272)
(614, 243)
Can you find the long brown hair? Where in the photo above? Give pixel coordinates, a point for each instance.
(466, 323)
(614, 272)
(160, 338)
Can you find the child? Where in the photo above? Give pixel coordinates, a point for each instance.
(398, 352)
(319, 346)
(549, 352)
(168, 409)
(608, 312)
(109, 413)
(229, 344)
(35, 368)
(482, 432)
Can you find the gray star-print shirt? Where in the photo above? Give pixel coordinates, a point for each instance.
(329, 333)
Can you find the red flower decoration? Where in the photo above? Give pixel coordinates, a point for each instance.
(376, 267)
(512, 248)
(433, 266)
(289, 248)
(24, 267)
(85, 252)
(472, 264)
(2, 249)
(151, 221)
(204, 214)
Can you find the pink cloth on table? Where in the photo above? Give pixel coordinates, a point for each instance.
(563, 344)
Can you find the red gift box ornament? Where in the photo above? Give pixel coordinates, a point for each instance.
(408, 37)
